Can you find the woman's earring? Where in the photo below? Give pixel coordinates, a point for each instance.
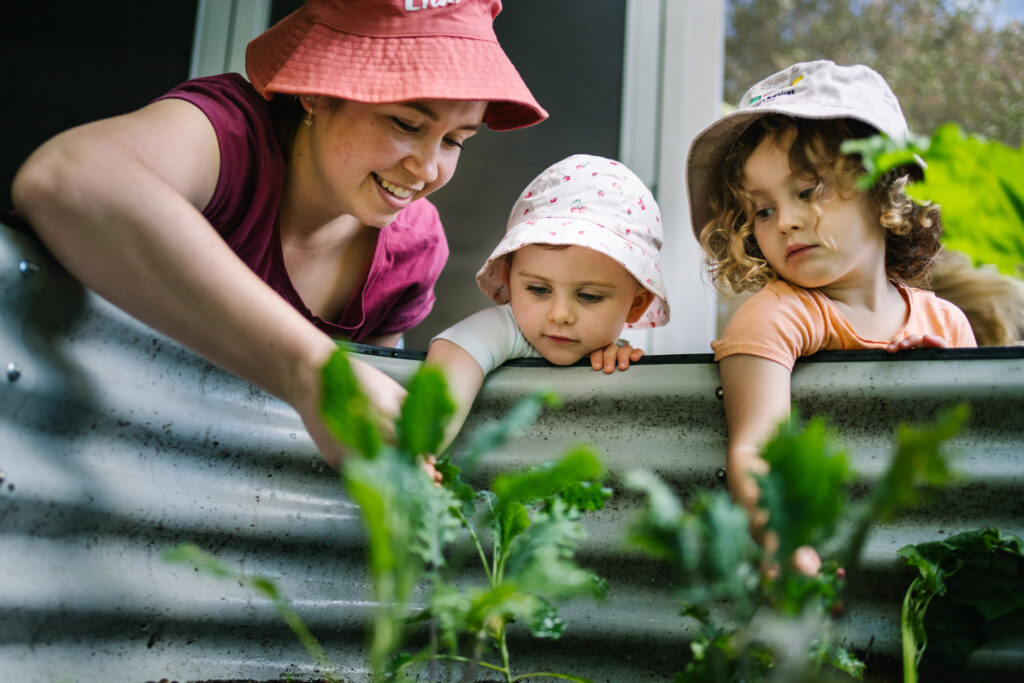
(308, 119)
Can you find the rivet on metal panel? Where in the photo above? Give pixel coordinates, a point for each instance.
(27, 268)
(720, 474)
(13, 372)
(719, 393)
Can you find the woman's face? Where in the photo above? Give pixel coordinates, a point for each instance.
(371, 161)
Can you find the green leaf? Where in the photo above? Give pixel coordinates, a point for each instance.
(541, 558)
(840, 658)
(664, 511)
(510, 520)
(964, 584)
(266, 587)
(585, 496)
(804, 490)
(346, 411)
(408, 522)
(880, 153)
(920, 463)
(425, 413)
(544, 621)
(451, 608)
(729, 549)
(188, 553)
(408, 519)
(657, 531)
(578, 465)
(451, 479)
(980, 186)
(710, 544)
(978, 183)
(492, 435)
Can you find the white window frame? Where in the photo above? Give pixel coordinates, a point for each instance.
(223, 29)
(673, 70)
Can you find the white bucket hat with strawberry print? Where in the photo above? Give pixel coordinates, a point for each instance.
(592, 202)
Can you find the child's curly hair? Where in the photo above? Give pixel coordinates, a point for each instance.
(733, 257)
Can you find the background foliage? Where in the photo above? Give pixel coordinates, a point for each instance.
(946, 60)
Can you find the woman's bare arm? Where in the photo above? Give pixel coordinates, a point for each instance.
(119, 201)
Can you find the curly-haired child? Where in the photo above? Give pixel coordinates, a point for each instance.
(774, 204)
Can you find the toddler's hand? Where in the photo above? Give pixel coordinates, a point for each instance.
(427, 463)
(806, 561)
(917, 341)
(612, 356)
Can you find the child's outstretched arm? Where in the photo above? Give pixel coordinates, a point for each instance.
(756, 392)
(464, 376)
(614, 356)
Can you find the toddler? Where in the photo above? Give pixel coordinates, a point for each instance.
(774, 204)
(579, 260)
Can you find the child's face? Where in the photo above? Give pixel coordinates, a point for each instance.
(569, 302)
(812, 235)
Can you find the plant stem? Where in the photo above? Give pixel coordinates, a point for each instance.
(504, 653)
(549, 674)
(909, 643)
(452, 658)
(478, 650)
(307, 639)
(476, 542)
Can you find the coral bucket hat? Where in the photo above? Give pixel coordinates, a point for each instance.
(379, 51)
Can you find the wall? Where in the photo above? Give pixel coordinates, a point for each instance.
(116, 443)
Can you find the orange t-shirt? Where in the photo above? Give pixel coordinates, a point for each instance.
(782, 322)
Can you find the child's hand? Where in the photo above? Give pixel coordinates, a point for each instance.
(917, 341)
(806, 561)
(427, 463)
(612, 356)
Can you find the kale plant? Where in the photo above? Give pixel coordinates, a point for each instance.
(756, 615)
(524, 530)
(965, 584)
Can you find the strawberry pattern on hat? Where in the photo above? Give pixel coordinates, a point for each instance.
(593, 202)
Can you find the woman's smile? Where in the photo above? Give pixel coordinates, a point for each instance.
(397, 190)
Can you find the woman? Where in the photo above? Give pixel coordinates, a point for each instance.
(254, 228)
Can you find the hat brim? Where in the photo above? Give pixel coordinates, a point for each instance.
(705, 159)
(302, 58)
(493, 281)
(707, 152)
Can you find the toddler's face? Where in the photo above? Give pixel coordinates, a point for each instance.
(811, 234)
(571, 301)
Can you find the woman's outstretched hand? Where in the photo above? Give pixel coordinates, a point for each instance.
(385, 395)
